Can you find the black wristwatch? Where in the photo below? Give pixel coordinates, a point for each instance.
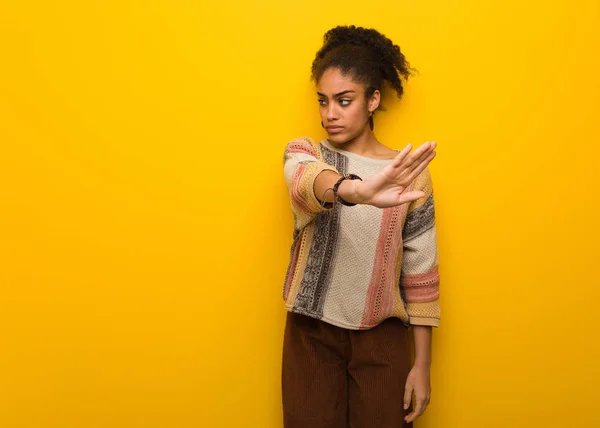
(345, 176)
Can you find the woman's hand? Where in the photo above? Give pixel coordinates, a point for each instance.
(417, 383)
(386, 188)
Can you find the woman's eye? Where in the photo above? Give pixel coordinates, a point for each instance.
(322, 102)
(345, 102)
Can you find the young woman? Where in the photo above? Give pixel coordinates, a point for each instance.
(363, 268)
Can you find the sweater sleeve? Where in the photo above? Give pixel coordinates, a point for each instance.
(420, 279)
(302, 164)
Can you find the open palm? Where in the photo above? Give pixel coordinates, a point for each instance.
(387, 187)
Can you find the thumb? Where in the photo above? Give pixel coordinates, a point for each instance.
(410, 196)
(408, 390)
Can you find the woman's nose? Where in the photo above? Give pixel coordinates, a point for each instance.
(331, 114)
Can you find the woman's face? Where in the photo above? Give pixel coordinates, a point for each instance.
(343, 107)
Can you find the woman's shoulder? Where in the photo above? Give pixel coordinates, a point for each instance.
(303, 144)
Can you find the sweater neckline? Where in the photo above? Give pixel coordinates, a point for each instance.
(327, 144)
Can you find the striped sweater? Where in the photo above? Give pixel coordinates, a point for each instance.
(353, 267)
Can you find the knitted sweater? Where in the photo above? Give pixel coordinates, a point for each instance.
(353, 267)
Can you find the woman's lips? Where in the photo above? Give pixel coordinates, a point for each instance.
(334, 129)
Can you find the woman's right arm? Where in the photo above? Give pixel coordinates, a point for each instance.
(308, 178)
(386, 187)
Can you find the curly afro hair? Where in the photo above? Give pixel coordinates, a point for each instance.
(366, 55)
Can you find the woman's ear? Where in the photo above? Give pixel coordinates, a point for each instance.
(374, 100)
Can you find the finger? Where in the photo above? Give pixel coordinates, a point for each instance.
(415, 172)
(422, 156)
(425, 404)
(420, 407)
(400, 157)
(413, 157)
(415, 413)
(406, 173)
(406, 180)
(410, 417)
(407, 396)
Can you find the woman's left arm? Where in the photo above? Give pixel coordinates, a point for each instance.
(417, 382)
(420, 286)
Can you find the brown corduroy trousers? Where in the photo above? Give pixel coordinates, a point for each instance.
(338, 378)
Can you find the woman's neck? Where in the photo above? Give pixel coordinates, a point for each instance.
(365, 144)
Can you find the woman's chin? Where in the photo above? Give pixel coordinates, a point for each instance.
(339, 138)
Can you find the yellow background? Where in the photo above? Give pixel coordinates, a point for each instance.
(145, 225)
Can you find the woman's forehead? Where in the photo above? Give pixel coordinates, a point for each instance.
(333, 82)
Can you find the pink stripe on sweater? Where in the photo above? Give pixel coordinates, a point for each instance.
(422, 287)
(380, 300)
(298, 200)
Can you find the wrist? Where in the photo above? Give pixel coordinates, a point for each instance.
(422, 363)
(347, 190)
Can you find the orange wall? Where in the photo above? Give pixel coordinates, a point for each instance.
(145, 230)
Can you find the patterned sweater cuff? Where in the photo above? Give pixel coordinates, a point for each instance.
(306, 185)
(425, 321)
